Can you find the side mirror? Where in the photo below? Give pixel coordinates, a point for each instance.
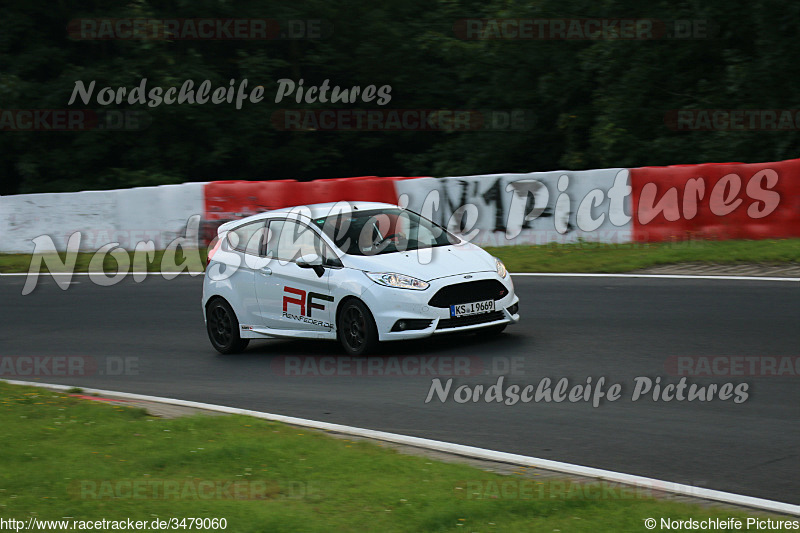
(311, 261)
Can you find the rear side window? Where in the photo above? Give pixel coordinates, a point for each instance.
(248, 238)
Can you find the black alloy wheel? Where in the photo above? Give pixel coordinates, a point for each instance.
(223, 328)
(357, 331)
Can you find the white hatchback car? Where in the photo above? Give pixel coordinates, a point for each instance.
(358, 272)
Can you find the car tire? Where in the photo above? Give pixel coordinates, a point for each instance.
(223, 328)
(492, 331)
(356, 328)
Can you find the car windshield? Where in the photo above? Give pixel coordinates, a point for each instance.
(382, 231)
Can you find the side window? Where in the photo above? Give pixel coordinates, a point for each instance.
(289, 240)
(248, 238)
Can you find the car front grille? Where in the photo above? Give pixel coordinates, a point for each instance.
(449, 323)
(471, 291)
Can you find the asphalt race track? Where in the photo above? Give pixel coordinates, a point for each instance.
(571, 327)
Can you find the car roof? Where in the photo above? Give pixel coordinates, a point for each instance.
(310, 211)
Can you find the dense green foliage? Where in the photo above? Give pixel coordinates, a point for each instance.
(596, 102)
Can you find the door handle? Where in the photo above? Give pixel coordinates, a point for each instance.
(266, 271)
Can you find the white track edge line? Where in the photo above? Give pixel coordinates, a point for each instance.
(539, 274)
(463, 450)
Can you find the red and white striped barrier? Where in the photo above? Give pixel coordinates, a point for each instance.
(616, 205)
(717, 201)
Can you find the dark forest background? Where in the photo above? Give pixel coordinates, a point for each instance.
(596, 103)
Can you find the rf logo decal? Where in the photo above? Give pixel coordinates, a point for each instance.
(304, 300)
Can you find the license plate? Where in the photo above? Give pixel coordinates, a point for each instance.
(472, 308)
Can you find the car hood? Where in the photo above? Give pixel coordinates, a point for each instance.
(427, 264)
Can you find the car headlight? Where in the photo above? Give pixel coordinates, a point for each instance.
(501, 268)
(401, 281)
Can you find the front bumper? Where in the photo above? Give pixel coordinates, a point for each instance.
(390, 305)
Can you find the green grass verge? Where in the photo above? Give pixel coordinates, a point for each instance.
(598, 257)
(578, 257)
(68, 457)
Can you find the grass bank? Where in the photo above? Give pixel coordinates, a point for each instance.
(598, 257)
(68, 458)
(578, 257)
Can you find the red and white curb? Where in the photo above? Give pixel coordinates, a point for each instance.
(462, 450)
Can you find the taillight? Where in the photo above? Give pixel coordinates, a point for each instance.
(212, 250)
